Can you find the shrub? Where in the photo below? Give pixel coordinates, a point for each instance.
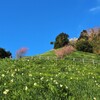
(94, 38)
(60, 53)
(89, 41)
(83, 35)
(73, 42)
(85, 46)
(21, 52)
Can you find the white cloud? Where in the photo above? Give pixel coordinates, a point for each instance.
(95, 9)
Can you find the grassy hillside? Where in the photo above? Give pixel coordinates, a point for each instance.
(44, 77)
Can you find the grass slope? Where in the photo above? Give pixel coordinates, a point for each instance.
(40, 78)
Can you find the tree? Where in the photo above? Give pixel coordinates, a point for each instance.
(61, 40)
(84, 45)
(83, 35)
(94, 38)
(21, 52)
(4, 53)
(89, 41)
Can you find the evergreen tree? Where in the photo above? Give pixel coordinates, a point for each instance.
(83, 35)
(4, 53)
(84, 45)
(61, 40)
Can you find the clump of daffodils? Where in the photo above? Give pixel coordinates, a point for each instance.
(6, 91)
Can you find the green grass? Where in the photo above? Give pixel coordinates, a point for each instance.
(34, 78)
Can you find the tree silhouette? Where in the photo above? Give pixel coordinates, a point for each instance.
(61, 40)
(4, 53)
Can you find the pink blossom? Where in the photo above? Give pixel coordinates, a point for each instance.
(20, 53)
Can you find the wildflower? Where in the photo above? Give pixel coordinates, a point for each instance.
(61, 85)
(3, 75)
(82, 74)
(35, 84)
(28, 60)
(12, 74)
(78, 71)
(71, 78)
(66, 87)
(4, 83)
(97, 84)
(56, 82)
(15, 70)
(30, 75)
(51, 78)
(26, 88)
(66, 72)
(94, 98)
(93, 77)
(47, 80)
(33, 78)
(22, 73)
(7, 72)
(56, 75)
(11, 80)
(6, 91)
(59, 73)
(41, 78)
(77, 78)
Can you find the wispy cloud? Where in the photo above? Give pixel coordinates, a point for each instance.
(95, 9)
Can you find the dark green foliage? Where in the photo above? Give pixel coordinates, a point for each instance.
(84, 45)
(61, 40)
(4, 53)
(51, 42)
(83, 35)
(89, 41)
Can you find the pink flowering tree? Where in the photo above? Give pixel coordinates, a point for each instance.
(21, 52)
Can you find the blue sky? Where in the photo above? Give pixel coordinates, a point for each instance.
(34, 23)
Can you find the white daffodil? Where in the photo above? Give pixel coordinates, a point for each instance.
(11, 80)
(6, 91)
(30, 75)
(35, 84)
(3, 75)
(61, 85)
(26, 88)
